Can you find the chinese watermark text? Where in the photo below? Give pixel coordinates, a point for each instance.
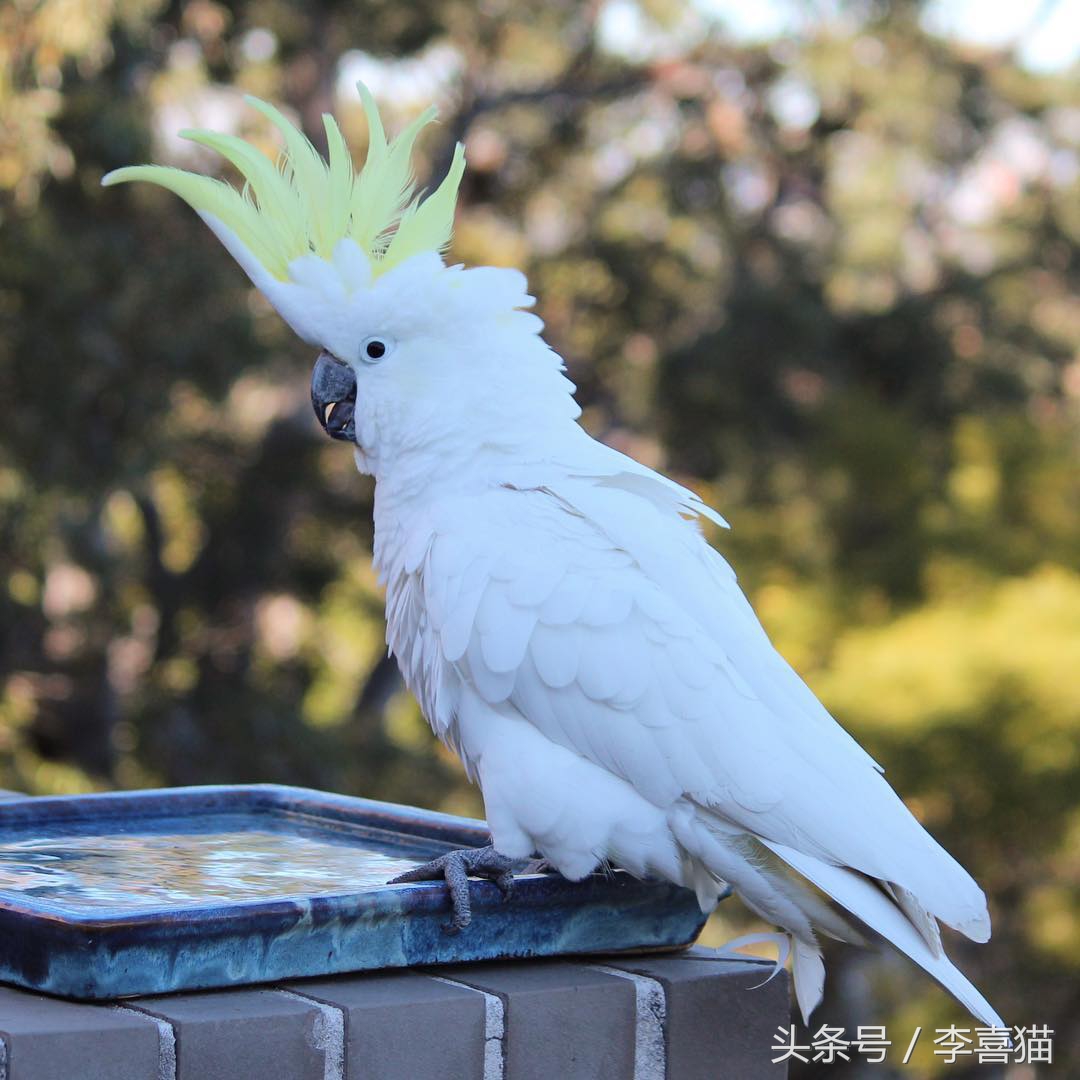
(985, 1045)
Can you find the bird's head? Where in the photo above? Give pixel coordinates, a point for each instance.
(415, 356)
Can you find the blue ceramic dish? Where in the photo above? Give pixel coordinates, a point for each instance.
(105, 896)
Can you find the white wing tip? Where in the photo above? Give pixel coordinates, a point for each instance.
(976, 928)
(702, 509)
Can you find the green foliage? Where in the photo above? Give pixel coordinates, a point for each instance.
(830, 283)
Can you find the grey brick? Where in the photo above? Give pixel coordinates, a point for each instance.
(405, 1026)
(47, 1039)
(242, 1035)
(718, 1025)
(562, 1019)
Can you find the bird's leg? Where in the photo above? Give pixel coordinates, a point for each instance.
(454, 868)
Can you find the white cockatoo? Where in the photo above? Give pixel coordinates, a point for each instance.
(552, 603)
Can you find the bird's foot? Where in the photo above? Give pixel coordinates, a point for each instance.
(454, 868)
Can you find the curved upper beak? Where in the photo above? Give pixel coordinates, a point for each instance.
(333, 396)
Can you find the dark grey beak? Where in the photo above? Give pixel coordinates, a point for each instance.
(333, 397)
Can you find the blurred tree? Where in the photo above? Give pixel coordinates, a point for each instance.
(831, 281)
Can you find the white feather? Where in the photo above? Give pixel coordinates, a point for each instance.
(869, 903)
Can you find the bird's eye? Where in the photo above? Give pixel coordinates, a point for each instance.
(374, 349)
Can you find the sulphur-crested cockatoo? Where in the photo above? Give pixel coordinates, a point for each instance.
(552, 603)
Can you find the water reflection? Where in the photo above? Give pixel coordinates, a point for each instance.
(181, 868)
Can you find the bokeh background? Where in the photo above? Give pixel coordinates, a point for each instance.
(820, 262)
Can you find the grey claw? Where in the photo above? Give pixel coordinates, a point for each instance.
(454, 868)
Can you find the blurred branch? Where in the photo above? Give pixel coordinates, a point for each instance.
(161, 582)
(379, 687)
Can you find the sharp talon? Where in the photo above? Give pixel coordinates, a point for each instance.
(455, 925)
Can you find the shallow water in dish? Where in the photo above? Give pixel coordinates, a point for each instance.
(150, 869)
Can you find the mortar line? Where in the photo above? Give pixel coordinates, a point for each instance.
(166, 1040)
(650, 1024)
(494, 1028)
(329, 1035)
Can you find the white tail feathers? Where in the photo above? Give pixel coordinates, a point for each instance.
(807, 965)
(922, 920)
(864, 899)
(808, 975)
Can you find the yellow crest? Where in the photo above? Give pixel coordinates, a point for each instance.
(306, 205)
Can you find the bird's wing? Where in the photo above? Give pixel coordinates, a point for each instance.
(608, 488)
(593, 613)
